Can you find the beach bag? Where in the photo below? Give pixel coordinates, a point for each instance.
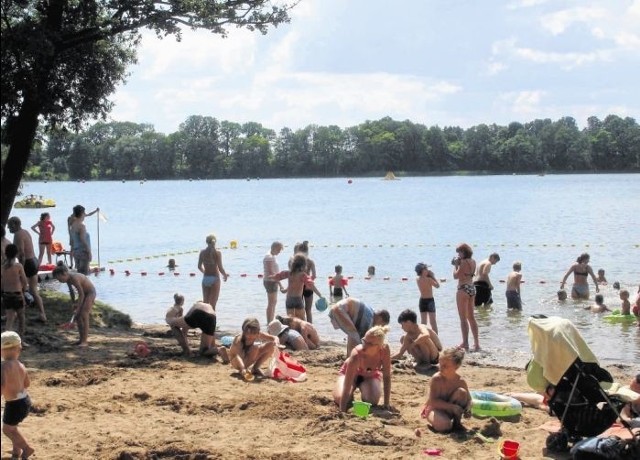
(284, 367)
(609, 448)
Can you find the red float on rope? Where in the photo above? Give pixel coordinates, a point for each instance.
(192, 274)
(143, 273)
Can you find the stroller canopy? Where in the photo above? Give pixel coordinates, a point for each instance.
(555, 343)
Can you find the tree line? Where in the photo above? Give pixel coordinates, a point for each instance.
(205, 148)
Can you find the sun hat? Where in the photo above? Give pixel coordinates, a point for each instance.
(276, 327)
(10, 339)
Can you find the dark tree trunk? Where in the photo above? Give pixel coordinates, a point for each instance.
(22, 134)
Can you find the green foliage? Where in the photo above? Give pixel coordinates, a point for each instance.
(61, 59)
(208, 149)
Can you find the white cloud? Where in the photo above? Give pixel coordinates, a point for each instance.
(525, 4)
(197, 51)
(559, 21)
(522, 103)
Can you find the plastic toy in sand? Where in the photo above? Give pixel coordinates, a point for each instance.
(489, 404)
(141, 349)
(361, 408)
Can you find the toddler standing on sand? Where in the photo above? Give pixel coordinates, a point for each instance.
(15, 382)
(449, 398)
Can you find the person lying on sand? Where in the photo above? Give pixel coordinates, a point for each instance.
(246, 355)
(305, 328)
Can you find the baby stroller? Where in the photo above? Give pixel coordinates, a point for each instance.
(564, 367)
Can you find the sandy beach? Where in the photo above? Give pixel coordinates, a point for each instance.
(106, 402)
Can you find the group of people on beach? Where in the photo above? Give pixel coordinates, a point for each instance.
(367, 367)
(20, 268)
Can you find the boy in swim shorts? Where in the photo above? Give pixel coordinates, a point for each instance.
(426, 281)
(514, 302)
(15, 382)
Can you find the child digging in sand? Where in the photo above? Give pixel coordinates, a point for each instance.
(419, 340)
(449, 398)
(86, 298)
(15, 382)
(246, 355)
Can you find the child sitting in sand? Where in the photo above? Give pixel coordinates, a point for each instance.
(246, 355)
(338, 283)
(86, 298)
(305, 328)
(625, 307)
(449, 398)
(631, 411)
(599, 306)
(419, 340)
(15, 382)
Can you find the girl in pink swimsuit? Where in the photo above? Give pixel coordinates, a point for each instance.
(44, 228)
(368, 368)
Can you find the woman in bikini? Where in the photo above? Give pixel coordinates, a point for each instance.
(581, 271)
(368, 368)
(464, 268)
(210, 264)
(86, 298)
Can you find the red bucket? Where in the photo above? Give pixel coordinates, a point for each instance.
(509, 449)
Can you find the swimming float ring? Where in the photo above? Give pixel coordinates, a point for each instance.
(616, 317)
(489, 404)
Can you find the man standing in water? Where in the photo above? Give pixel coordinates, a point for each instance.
(27, 257)
(483, 283)
(270, 269)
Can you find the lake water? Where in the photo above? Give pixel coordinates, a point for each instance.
(543, 221)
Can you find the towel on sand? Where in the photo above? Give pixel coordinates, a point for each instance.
(555, 343)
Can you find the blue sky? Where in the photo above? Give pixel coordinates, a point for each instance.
(435, 62)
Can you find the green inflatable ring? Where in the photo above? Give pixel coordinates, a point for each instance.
(489, 404)
(616, 317)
